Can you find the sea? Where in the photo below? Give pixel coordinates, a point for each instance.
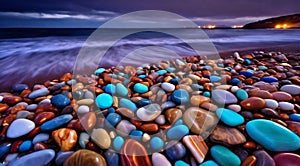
(36, 55)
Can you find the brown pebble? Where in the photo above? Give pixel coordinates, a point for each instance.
(282, 96)
(197, 146)
(3, 107)
(253, 103)
(209, 106)
(125, 112)
(260, 93)
(227, 136)
(45, 107)
(66, 77)
(86, 158)
(173, 114)
(65, 138)
(150, 128)
(7, 120)
(34, 132)
(88, 120)
(294, 126)
(199, 99)
(249, 145)
(11, 100)
(40, 146)
(43, 117)
(76, 125)
(249, 161)
(15, 146)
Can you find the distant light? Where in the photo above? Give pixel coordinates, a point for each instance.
(237, 26)
(281, 26)
(211, 26)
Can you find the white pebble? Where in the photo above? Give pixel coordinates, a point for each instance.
(286, 106)
(22, 103)
(1, 98)
(146, 137)
(160, 119)
(234, 89)
(83, 109)
(168, 87)
(45, 101)
(270, 103)
(32, 107)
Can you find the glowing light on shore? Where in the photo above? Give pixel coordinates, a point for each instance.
(237, 26)
(281, 26)
(210, 26)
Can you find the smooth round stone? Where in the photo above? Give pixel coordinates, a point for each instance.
(234, 107)
(40, 138)
(113, 119)
(19, 87)
(295, 117)
(56, 122)
(168, 87)
(22, 103)
(197, 146)
(61, 157)
(86, 158)
(262, 68)
(263, 158)
(199, 120)
(38, 93)
(112, 158)
(101, 138)
(121, 89)
(224, 156)
(127, 104)
(168, 104)
(83, 109)
(177, 132)
(140, 88)
(270, 103)
(286, 106)
(209, 163)
(161, 72)
(227, 136)
(42, 157)
(159, 160)
(173, 114)
(175, 150)
(118, 143)
(284, 159)
(291, 89)
(235, 81)
(206, 94)
(160, 120)
(198, 100)
(156, 143)
(181, 163)
(89, 95)
(234, 89)
(32, 107)
(104, 101)
(241, 94)
(144, 102)
(10, 158)
(223, 97)
(136, 134)
(65, 138)
(215, 78)
(229, 117)
(282, 96)
(269, 79)
(88, 120)
(19, 127)
(99, 71)
(25, 146)
(180, 96)
(247, 74)
(60, 100)
(45, 101)
(83, 139)
(272, 136)
(4, 148)
(24, 114)
(110, 88)
(253, 103)
(149, 112)
(125, 127)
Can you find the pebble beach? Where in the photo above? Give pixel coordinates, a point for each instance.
(240, 110)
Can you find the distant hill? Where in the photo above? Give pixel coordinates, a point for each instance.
(290, 21)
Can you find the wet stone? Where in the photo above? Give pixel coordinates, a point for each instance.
(223, 97)
(38, 93)
(227, 136)
(101, 138)
(42, 157)
(85, 157)
(197, 146)
(60, 100)
(180, 96)
(19, 127)
(65, 138)
(56, 122)
(61, 157)
(253, 103)
(158, 159)
(175, 150)
(291, 89)
(284, 159)
(149, 112)
(263, 158)
(224, 156)
(229, 117)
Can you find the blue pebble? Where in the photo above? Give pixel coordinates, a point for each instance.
(104, 101)
(181, 163)
(175, 150)
(180, 96)
(178, 122)
(111, 110)
(235, 81)
(209, 163)
(224, 156)
(197, 87)
(177, 132)
(111, 158)
(262, 68)
(121, 89)
(161, 72)
(206, 94)
(25, 146)
(110, 88)
(56, 122)
(175, 81)
(71, 82)
(142, 76)
(215, 78)
(269, 79)
(112, 119)
(136, 134)
(40, 138)
(140, 88)
(207, 67)
(60, 100)
(4, 148)
(247, 61)
(221, 65)
(170, 69)
(118, 143)
(19, 87)
(42, 157)
(295, 117)
(143, 102)
(241, 94)
(99, 71)
(114, 76)
(247, 74)
(126, 82)
(61, 157)
(127, 104)
(168, 104)
(156, 143)
(229, 117)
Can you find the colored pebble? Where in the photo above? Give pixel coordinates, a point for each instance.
(124, 127)
(40, 138)
(136, 134)
(262, 68)
(180, 96)
(38, 93)
(224, 156)
(104, 101)
(42, 157)
(168, 87)
(25, 146)
(227, 136)
(127, 104)
(61, 157)
(177, 132)
(4, 148)
(112, 158)
(286, 106)
(101, 138)
(19, 87)
(113, 119)
(65, 138)
(99, 71)
(197, 146)
(241, 94)
(149, 112)
(215, 78)
(60, 100)
(223, 97)
(284, 159)
(253, 103)
(272, 136)
(209, 163)
(269, 79)
(19, 127)
(56, 122)
(83, 139)
(110, 89)
(175, 150)
(156, 143)
(86, 158)
(83, 109)
(118, 143)
(295, 117)
(140, 88)
(291, 89)
(263, 158)
(235, 81)
(121, 89)
(229, 117)
(158, 159)
(181, 163)
(270, 103)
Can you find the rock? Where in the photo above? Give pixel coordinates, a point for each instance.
(85, 102)
(83, 109)
(224, 156)
(270, 103)
(215, 78)
(113, 119)
(86, 158)
(235, 81)
(43, 117)
(24, 114)
(60, 100)
(133, 154)
(295, 117)
(234, 107)
(173, 114)
(263, 158)
(65, 138)
(42, 157)
(149, 112)
(99, 71)
(199, 120)
(223, 97)
(241, 94)
(247, 74)
(198, 100)
(4, 148)
(19, 127)
(3, 107)
(161, 119)
(56, 122)
(181, 163)
(118, 143)
(180, 96)
(197, 146)
(294, 126)
(61, 157)
(283, 159)
(249, 161)
(282, 96)
(286, 106)
(272, 136)
(25, 146)
(140, 88)
(265, 86)
(19, 87)
(124, 128)
(101, 138)
(83, 139)
(260, 93)
(121, 90)
(11, 100)
(168, 87)
(112, 158)
(40, 138)
(175, 150)
(88, 120)
(149, 127)
(110, 89)
(209, 163)
(159, 159)
(104, 101)
(291, 89)
(229, 117)
(38, 93)
(127, 104)
(269, 79)
(177, 132)
(253, 103)
(227, 136)
(156, 143)
(89, 95)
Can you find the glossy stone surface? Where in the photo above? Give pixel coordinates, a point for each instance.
(253, 103)
(19, 127)
(38, 93)
(42, 157)
(180, 96)
(284, 159)
(140, 88)
(197, 146)
(263, 158)
(104, 101)
(121, 89)
(177, 132)
(65, 138)
(101, 138)
(149, 112)
(223, 97)
(158, 160)
(86, 158)
(60, 100)
(175, 150)
(229, 117)
(224, 156)
(227, 136)
(56, 122)
(291, 89)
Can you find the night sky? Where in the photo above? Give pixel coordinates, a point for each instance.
(92, 13)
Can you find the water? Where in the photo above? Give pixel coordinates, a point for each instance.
(45, 54)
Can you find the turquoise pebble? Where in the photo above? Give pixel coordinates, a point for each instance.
(104, 101)
(136, 134)
(206, 94)
(19, 87)
(178, 122)
(156, 143)
(42, 157)
(235, 81)
(61, 157)
(83, 139)
(161, 72)
(175, 150)
(224, 156)
(112, 119)
(215, 78)
(209, 163)
(272, 136)
(126, 82)
(25, 146)
(241, 94)
(262, 68)
(60, 100)
(180, 96)
(118, 143)
(295, 117)
(4, 148)
(170, 69)
(247, 74)
(269, 79)
(111, 158)
(99, 71)
(177, 132)
(181, 163)
(140, 88)
(229, 117)
(56, 122)
(127, 104)
(207, 67)
(142, 76)
(247, 61)
(110, 88)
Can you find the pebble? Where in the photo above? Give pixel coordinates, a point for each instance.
(127, 104)
(85, 102)
(269, 79)
(168, 87)
(223, 97)
(173, 114)
(209, 163)
(180, 96)
(101, 138)
(56, 122)
(181, 163)
(284, 159)
(177, 132)
(227, 136)
(111, 158)
(229, 117)
(295, 117)
(272, 136)
(4, 148)
(291, 89)
(215, 78)
(83, 109)
(175, 150)
(234, 107)
(282, 96)
(156, 143)
(149, 112)
(42, 157)
(253, 103)
(118, 143)
(197, 146)
(161, 119)
(140, 88)
(241, 94)
(38, 93)
(40, 138)
(60, 100)
(61, 157)
(159, 160)
(19, 87)
(99, 71)
(25, 146)
(43, 117)
(19, 127)
(65, 138)
(113, 119)
(125, 127)
(104, 101)
(110, 89)
(86, 158)
(24, 114)
(270, 103)
(198, 100)
(31, 107)
(224, 156)
(263, 158)
(83, 139)
(121, 89)
(286, 106)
